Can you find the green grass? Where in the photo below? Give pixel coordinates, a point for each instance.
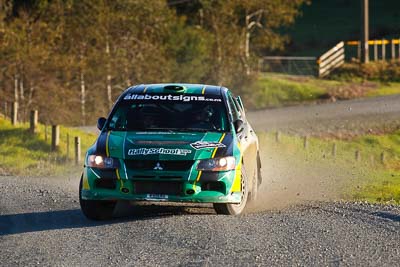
(272, 90)
(275, 90)
(369, 180)
(391, 88)
(25, 154)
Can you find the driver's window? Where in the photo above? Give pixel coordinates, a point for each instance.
(118, 121)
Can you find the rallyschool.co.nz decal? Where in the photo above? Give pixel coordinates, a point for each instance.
(183, 98)
(160, 150)
(205, 144)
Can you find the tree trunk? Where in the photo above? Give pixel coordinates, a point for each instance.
(30, 94)
(22, 98)
(247, 46)
(16, 97)
(219, 50)
(109, 93)
(83, 98)
(21, 89)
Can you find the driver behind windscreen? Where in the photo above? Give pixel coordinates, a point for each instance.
(202, 119)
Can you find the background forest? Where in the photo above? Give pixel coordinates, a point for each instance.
(70, 59)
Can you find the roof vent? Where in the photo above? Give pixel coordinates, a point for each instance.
(174, 87)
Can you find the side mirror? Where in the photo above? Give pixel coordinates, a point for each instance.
(100, 123)
(239, 127)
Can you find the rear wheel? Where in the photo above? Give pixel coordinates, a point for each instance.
(96, 209)
(235, 209)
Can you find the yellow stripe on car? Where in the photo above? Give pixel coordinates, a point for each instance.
(107, 150)
(236, 185)
(203, 90)
(197, 179)
(119, 178)
(215, 149)
(85, 183)
(237, 180)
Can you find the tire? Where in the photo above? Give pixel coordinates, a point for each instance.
(235, 209)
(96, 209)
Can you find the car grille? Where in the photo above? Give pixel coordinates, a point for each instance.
(163, 188)
(161, 165)
(105, 183)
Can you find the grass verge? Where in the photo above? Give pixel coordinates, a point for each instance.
(275, 90)
(367, 178)
(25, 154)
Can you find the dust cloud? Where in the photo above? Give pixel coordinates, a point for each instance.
(290, 179)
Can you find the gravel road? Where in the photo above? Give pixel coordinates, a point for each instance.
(343, 118)
(41, 223)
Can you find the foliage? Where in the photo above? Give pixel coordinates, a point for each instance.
(325, 23)
(75, 57)
(383, 71)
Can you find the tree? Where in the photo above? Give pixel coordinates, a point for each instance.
(231, 22)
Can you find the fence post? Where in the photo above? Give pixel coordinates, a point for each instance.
(392, 48)
(383, 49)
(358, 155)
(277, 136)
(383, 157)
(375, 51)
(55, 137)
(77, 150)
(359, 51)
(334, 150)
(399, 50)
(305, 144)
(33, 121)
(14, 113)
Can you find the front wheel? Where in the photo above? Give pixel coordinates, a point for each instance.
(235, 209)
(96, 209)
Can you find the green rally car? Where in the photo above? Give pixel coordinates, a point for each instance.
(175, 143)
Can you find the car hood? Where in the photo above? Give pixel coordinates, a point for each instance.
(165, 145)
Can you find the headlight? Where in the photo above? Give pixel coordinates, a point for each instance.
(97, 161)
(218, 164)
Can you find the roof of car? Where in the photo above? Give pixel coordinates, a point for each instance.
(186, 88)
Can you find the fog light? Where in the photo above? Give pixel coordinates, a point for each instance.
(125, 190)
(190, 191)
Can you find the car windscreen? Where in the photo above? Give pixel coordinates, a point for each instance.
(182, 114)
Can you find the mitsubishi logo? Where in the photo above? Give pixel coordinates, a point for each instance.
(158, 167)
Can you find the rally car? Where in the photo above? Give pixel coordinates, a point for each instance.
(174, 143)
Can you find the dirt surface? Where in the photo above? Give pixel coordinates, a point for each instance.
(41, 224)
(299, 218)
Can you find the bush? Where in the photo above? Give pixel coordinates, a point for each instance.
(383, 71)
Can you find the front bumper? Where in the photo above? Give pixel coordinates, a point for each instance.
(201, 197)
(191, 189)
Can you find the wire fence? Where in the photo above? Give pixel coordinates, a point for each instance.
(306, 66)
